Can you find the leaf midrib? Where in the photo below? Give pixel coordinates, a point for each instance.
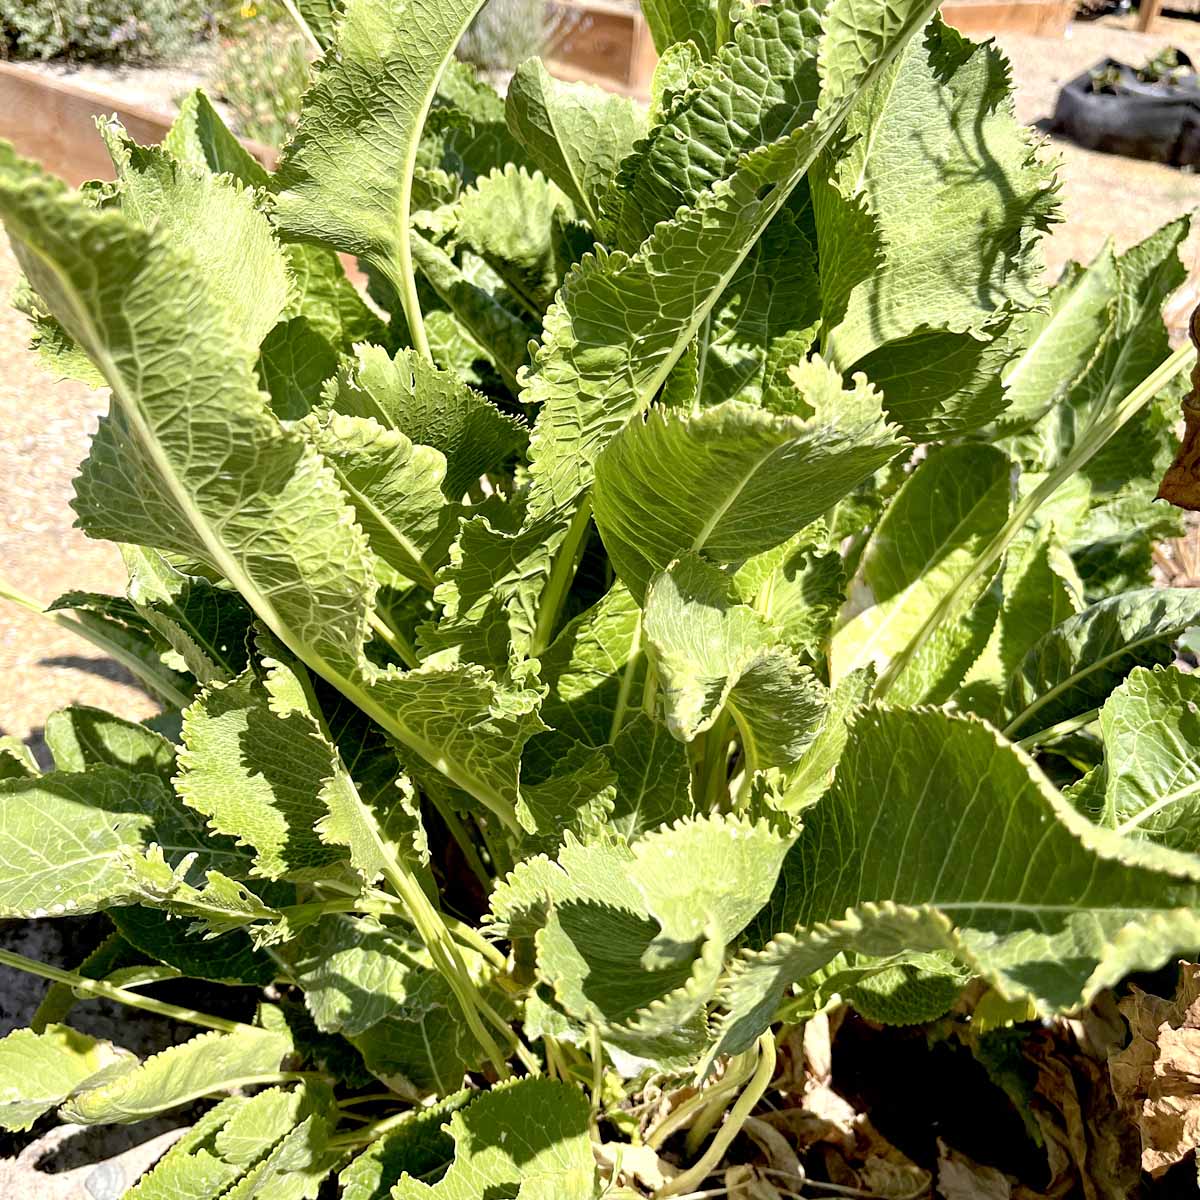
(232, 571)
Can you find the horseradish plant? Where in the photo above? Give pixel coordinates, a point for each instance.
(717, 582)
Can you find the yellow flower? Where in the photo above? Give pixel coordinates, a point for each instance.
(248, 11)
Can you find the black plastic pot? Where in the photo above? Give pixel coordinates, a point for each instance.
(1156, 121)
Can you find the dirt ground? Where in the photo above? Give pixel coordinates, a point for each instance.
(44, 425)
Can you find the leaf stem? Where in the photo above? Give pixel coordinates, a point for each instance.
(459, 832)
(1093, 440)
(432, 931)
(370, 1132)
(98, 990)
(636, 657)
(754, 1092)
(391, 638)
(1052, 733)
(293, 11)
(562, 574)
(403, 279)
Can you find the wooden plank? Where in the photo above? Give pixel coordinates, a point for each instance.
(1046, 18)
(1148, 10)
(54, 122)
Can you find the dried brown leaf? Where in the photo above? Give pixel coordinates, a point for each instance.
(1157, 1076)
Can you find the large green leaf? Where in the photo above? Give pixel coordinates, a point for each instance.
(712, 653)
(621, 323)
(529, 1134)
(1078, 663)
(191, 460)
(927, 540)
(346, 176)
(575, 132)
(419, 1145)
(65, 839)
(1059, 343)
(80, 737)
(942, 111)
(759, 87)
(214, 221)
(735, 481)
(40, 1070)
(939, 835)
(209, 1063)
(1151, 772)
(432, 408)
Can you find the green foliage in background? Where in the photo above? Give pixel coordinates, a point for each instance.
(122, 30)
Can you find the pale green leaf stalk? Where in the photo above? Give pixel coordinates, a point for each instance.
(346, 178)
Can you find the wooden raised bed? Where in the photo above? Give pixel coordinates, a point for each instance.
(607, 41)
(53, 121)
(602, 41)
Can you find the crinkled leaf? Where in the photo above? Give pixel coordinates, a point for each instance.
(508, 219)
(575, 132)
(395, 487)
(209, 1063)
(257, 775)
(941, 111)
(1078, 663)
(940, 836)
(621, 323)
(40, 1070)
(214, 221)
(758, 88)
(432, 408)
(711, 652)
(531, 1133)
(735, 481)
